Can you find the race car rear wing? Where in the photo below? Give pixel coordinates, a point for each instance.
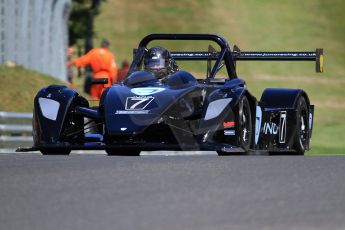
(316, 56)
(237, 55)
(225, 53)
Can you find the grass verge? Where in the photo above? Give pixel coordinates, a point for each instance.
(18, 87)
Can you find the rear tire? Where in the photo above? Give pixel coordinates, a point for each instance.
(302, 127)
(123, 152)
(244, 127)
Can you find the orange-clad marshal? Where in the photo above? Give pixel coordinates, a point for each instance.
(103, 65)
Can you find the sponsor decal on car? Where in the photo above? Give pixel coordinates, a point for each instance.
(229, 132)
(122, 112)
(270, 128)
(228, 124)
(273, 128)
(229, 127)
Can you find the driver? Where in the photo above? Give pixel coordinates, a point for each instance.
(158, 60)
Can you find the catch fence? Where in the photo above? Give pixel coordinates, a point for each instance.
(33, 33)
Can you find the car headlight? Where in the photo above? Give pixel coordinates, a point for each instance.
(216, 107)
(49, 108)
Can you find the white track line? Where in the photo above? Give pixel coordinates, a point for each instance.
(144, 153)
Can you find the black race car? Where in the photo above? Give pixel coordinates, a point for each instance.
(179, 111)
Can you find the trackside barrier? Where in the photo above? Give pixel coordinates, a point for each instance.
(15, 130)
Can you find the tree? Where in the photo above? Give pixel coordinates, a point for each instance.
(80, 23)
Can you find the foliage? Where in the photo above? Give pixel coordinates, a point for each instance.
(80, 24)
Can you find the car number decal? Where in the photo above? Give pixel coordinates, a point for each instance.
(138, 103)
(282, 127)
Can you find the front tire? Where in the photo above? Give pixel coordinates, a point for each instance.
(244, 127)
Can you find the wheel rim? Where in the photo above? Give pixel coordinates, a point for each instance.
(303, 131)
(245, 125)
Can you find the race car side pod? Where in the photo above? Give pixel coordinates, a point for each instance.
(316, 56)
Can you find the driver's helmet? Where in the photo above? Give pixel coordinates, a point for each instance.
(158, 60)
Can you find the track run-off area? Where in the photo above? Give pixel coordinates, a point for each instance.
(171, 190)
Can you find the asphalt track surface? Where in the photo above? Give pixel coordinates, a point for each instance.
(95, 191)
